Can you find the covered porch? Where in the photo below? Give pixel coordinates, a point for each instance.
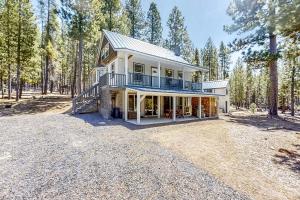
(149, 106)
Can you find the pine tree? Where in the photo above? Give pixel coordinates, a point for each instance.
(237, 89)
(154, 27)
(210, 59)
(224, 61)
(197, 57)
(258, 18)
(176, 30)
(136, 18)
(8, 17)
(26, 38)
(111, 10)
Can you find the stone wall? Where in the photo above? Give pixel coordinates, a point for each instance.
(105, 103)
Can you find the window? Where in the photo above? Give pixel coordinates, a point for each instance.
(138, 71)
(208, 90)
(105, 52)
(131, 102)
(180, 75)
(169, 73)
(138, 68)
(113, 70)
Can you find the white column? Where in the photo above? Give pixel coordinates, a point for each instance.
(126, 68)
(217, 104)
(174, 108)
(126, 105)
(183, 79)
(200, 108)
(183, 105)
(158, 68)
(158, 106)
(138, 108)
(202, 81)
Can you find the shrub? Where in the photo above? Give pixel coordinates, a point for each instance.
(253, 107)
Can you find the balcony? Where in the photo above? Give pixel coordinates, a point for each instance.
(147, 81)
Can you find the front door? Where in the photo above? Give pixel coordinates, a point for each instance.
(154, 77)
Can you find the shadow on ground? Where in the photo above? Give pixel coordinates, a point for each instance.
(266, 123)
(34, 106)
(289, 158)
(95, 119)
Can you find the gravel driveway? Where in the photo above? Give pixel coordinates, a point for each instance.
(57, 156)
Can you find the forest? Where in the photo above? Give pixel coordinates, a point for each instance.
(55, 47)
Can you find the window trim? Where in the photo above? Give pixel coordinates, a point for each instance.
(105, 52)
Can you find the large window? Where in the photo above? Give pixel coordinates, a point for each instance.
(138, 71)
(105, 52)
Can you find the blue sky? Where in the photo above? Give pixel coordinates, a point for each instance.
(203, 18)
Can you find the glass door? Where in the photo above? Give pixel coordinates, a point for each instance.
(151, 106)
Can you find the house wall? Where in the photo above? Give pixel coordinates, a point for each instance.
(223, 99)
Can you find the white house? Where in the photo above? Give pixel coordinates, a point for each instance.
(144, 83)
(220, 87)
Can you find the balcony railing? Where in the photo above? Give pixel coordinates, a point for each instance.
(141, 80)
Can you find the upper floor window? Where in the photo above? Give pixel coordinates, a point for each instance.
(180, 75)
(138, 68)
(169, 73)
(113, 69)
(138, 71)
(105, 52)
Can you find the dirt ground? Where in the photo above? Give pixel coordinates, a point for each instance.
(34, 102)
(255, 155)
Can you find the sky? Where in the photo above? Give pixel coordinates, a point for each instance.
(203, 18)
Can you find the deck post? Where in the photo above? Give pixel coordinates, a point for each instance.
(174, 108)
(183, 79)
(158, 106)
(158, 68)
(138, 108)
(126, 105)
(200, 108)
(126, 69)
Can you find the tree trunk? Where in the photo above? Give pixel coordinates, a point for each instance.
(273, 75)
(79, 71)
(19, 54)
(73, 87)
(293, 91)
(2, 89)
(22, 83)
(46, 73)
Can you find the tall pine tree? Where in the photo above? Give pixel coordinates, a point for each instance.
(154, 27)
(136, 18)
(224, 61)
(210, 59)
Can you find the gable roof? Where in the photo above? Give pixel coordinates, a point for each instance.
(122, 42)
(215, 84)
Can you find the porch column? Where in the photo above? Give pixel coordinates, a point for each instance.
(183, 105)
(174, 108)
(217, 104)
(158, 106)
(202, 81)
(138, 108)
(158, 68)
(200, 108)
(126, 105)
(183, 79)
(126, 68)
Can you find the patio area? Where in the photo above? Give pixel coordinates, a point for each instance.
(150, 121)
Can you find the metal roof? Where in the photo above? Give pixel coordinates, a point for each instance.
(215, 84)
(187, 92)
(122, 42)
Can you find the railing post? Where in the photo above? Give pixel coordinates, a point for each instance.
(126, 68)
(158, 74)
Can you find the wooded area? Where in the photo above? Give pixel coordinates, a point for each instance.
(55, 48)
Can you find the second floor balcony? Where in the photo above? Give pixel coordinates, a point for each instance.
(147, 81)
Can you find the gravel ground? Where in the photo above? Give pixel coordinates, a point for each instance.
(255, 155)
(57, 156)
